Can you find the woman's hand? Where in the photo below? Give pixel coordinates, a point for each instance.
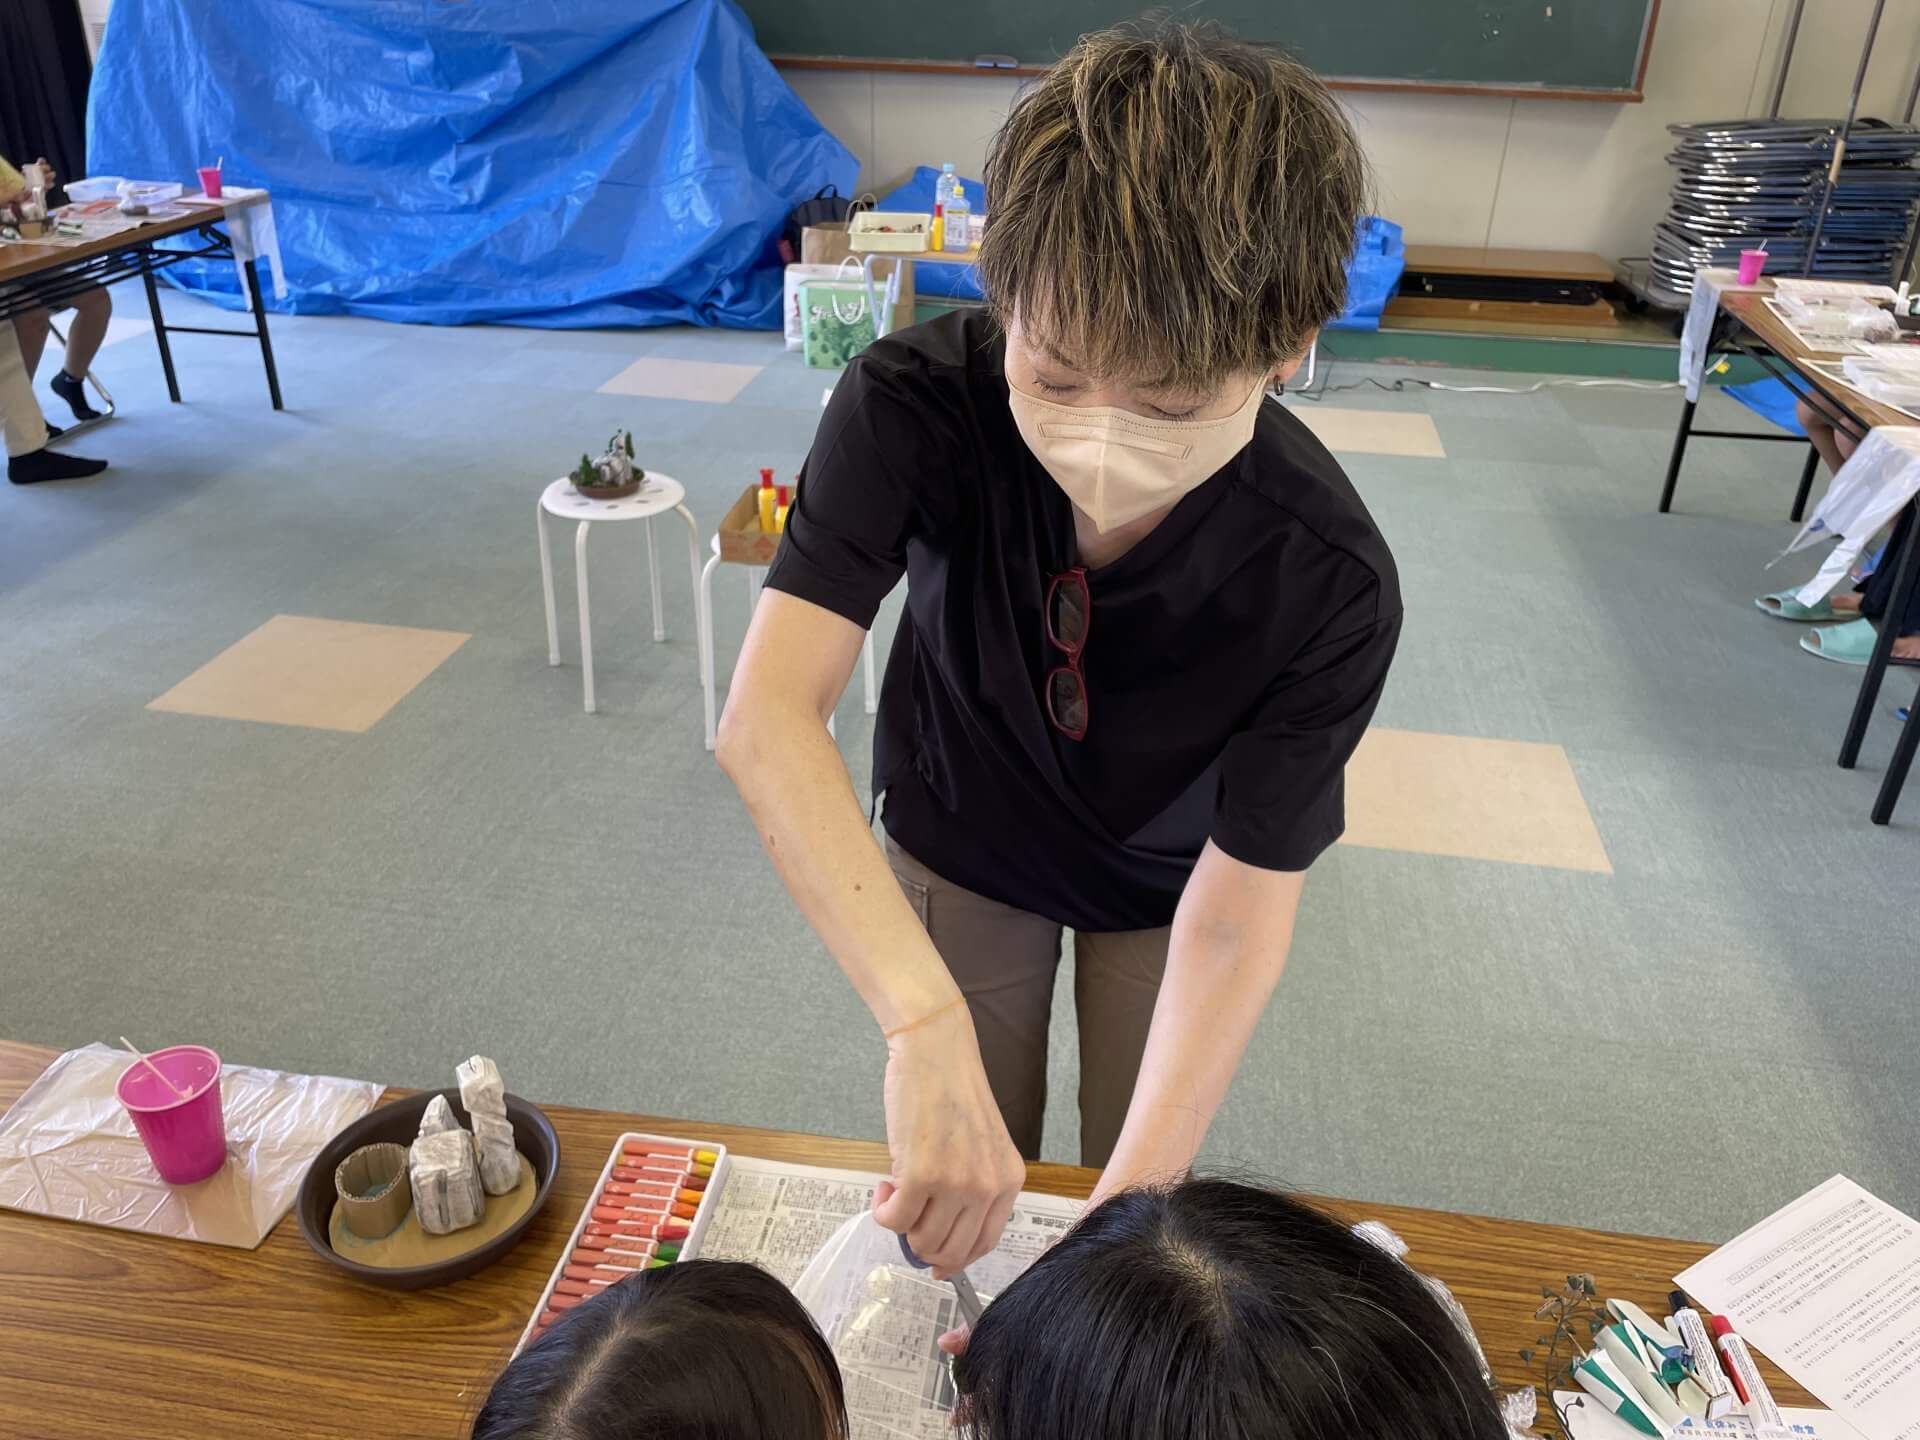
(955, 1170)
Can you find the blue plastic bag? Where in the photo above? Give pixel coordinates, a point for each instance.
(567, 163)
(953, 282)
(1373, 274)
(1770, 399)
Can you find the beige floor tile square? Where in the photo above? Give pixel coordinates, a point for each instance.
(663, 378)
(327, 674)
(1372, 432)
(1511, 800)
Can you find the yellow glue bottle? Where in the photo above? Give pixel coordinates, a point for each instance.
(781, 505)
(766, 498)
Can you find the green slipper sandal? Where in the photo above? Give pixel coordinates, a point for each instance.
(1849, 644)
(1783, 606)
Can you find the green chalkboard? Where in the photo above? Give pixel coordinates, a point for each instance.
(1544, 45)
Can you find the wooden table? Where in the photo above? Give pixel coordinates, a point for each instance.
(107, 1334)
(1745, 324)
(51, 275)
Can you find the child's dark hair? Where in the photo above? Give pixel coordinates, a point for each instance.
(1212, 1310)
(702, 1350)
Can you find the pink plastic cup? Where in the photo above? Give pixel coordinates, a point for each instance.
(1752, 262)
(186, 1139)
(210, 187)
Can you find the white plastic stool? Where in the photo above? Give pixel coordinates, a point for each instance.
(755, 575)
(659, 494)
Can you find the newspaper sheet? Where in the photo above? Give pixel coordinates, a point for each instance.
(779, 1216)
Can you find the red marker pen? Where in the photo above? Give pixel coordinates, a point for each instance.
(1745, 1375)
(1722, 1332)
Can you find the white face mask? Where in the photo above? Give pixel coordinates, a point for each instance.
(1117, 466)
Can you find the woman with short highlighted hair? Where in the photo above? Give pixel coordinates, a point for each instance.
(1147, 621)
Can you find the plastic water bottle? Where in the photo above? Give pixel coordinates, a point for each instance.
(942, 192)
(957, 213)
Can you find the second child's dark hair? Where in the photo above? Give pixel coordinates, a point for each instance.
(702, 1350)
(1213, 1310)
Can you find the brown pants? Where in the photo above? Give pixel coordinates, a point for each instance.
(1004, 962)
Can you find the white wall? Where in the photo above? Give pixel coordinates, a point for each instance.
(93, 14)
(1459, 170)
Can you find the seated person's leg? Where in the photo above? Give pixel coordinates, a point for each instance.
(704, 1347)
(1823, 430)
(29, 461)
(91, 311)
(1876, 592)
(1219, 1309)
(30, 330)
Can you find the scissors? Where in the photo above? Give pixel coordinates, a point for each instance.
(970, 1302)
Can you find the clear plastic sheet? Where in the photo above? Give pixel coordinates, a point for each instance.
(882, 1319)
(68, 1149)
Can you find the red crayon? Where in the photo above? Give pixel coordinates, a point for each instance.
(565, 1302)
(645, 1189)
(624, 1253)
(605, 1274)
(639, 1148)
(638, 1229)
(615, 1211)
(547, 1317)
(578, 1289)
(636, 1255)
(599, 1235)
(694, 1179)
(647, 1194)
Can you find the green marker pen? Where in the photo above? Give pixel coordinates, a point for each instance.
(1600, 1378)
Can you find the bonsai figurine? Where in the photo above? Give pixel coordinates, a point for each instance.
(613, 475)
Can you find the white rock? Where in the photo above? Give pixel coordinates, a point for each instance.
(447, 1190)
(481, 1088)
(439, 1117)
(499, 1159)
(491, 1127)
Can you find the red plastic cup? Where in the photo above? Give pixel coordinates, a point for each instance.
(210, 187)
(1752, 262)
(185, 1138)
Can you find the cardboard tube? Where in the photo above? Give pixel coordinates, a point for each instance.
(375, 1193)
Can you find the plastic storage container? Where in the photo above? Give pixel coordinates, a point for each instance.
(904, 231)
(95, 187)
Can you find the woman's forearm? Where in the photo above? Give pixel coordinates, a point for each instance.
(1229, 945)
(795, 785)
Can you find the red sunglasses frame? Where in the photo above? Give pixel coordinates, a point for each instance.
(1077, 579)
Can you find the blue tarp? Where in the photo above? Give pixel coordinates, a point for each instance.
(558, 163)
(1373, 274)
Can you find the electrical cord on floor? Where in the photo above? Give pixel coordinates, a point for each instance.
(1400, 382)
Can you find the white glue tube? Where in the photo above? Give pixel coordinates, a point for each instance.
(1768, 1422)
(1707, 1373)
(1657, 1400)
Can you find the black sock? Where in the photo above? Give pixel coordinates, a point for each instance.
(45, 464)
(74, 392)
